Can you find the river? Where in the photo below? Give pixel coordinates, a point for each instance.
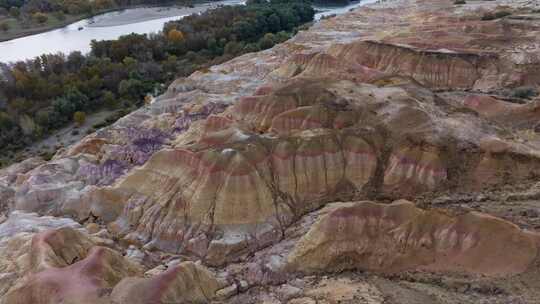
(77, 36)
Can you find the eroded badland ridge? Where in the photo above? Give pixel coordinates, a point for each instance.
(389, 155)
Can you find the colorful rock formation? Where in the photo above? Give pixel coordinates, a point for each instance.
(399, 236)
(224, 188)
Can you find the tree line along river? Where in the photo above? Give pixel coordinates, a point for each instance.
(77, 36)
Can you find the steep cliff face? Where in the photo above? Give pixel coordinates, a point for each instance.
(231, 167)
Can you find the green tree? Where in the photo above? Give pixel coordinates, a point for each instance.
(233, 47)
(43, 118)
(63, 107)
(109, 99)
(75, 61)
(274, 23)
(267, 41)
(244, 30)
(131, 88)
(170, 65)
(213, 46)
(5, 121)
(70, 103)
(130, 63)
(15, 12)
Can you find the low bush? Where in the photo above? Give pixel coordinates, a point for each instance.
(4, 26)
(495, 15)
(524, 92)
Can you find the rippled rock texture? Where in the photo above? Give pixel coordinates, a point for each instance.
(399, 236)
(232, 169)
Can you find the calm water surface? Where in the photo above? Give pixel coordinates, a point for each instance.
(71, 38)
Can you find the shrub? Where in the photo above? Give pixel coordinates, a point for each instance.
(4, 26)
(233, 47)
(496, 15)
(282, 36)
(40, 17)
(267, 41)
(14, 12)
(99, 125)
(488, 16)
(523, 92)
(60, 15)
(501, 14)
(79, 118)
(251, 47)
(46, 155)
(6, 122)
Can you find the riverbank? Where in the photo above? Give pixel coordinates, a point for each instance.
(175, 8)
(130, 15)
(142, 14)
(17, 31)
(53, 23)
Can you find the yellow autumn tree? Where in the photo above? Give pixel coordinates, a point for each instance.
(79, 118)
(148, 99)
(175, 35)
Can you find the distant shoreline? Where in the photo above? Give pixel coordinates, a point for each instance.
(142, 14)
(73, 19)
(69, 20)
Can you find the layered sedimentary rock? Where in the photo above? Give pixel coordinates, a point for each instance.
(403, 99)
(249, 172)
(16, 235)
(66, 266)
(185, 283)
(399, 236)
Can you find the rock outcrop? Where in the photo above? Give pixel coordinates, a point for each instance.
(251, 171)
(397, 237)
(66, 266)
(185, 283)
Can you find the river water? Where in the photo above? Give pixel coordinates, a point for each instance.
(77, 36)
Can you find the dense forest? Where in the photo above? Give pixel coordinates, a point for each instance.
(44, 94)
